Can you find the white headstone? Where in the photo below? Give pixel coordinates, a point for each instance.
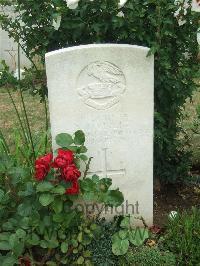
(106, 90)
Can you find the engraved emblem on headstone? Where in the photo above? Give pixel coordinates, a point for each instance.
(101, 85)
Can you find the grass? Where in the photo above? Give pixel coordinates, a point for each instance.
(8, 119)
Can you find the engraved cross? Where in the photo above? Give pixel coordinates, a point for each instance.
(105, 172)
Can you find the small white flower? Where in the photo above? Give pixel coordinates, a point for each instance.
(122, 3)
(72, 4)
(181, 22)
(173, 215)
(16, 73)
(56, 23)
(120, 14)
(1, 74)
(183, 6)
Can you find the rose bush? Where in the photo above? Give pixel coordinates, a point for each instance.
(40, 219)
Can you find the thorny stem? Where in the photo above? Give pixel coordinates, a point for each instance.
(87, 167)
(23, 105)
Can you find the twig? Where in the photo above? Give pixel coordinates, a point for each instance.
(87, 167)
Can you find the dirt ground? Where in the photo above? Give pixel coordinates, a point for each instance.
(177, 197)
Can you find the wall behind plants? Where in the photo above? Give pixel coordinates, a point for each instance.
(169, 28)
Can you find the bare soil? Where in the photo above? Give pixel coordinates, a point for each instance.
(177, 197)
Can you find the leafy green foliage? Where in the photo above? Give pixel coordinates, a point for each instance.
(148, 23)
(121, 239)
(40, 216)
(186, 225)
(97, 190)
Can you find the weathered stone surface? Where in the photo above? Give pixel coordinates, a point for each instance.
(107, 91)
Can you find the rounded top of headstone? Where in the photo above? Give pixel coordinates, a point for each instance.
(101, 46)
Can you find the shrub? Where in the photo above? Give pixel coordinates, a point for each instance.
(39, 217)
(168, 28)
(183, 237)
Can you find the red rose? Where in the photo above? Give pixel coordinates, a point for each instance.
(63, 159)
(42, 166)
(46, 160)
(71, 173)
(74, 189)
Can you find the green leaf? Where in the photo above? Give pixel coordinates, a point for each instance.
(123, 234)
(58, 218)
(59, 190)
(119, 246)
(74, 243)
(125, 223)
(80, 237)
(4, 245)
(28, 190)
(20, 233)
(33, 239)
(25, 209)
(83, 157)
(79, 138)
(138, 236)
(46, 199)
(10, 261)
(82, 149)
(16, 244)
(90, 196)
(73, 148)
(64, 247)
(44, 244)
(87, 184)
(104, 184)
(114, 198)
(95, 179)
(44, 186)
(57, 205)
(64, 140)
(80, 260)
(1, 194)
(4, 236)
(87, 254)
